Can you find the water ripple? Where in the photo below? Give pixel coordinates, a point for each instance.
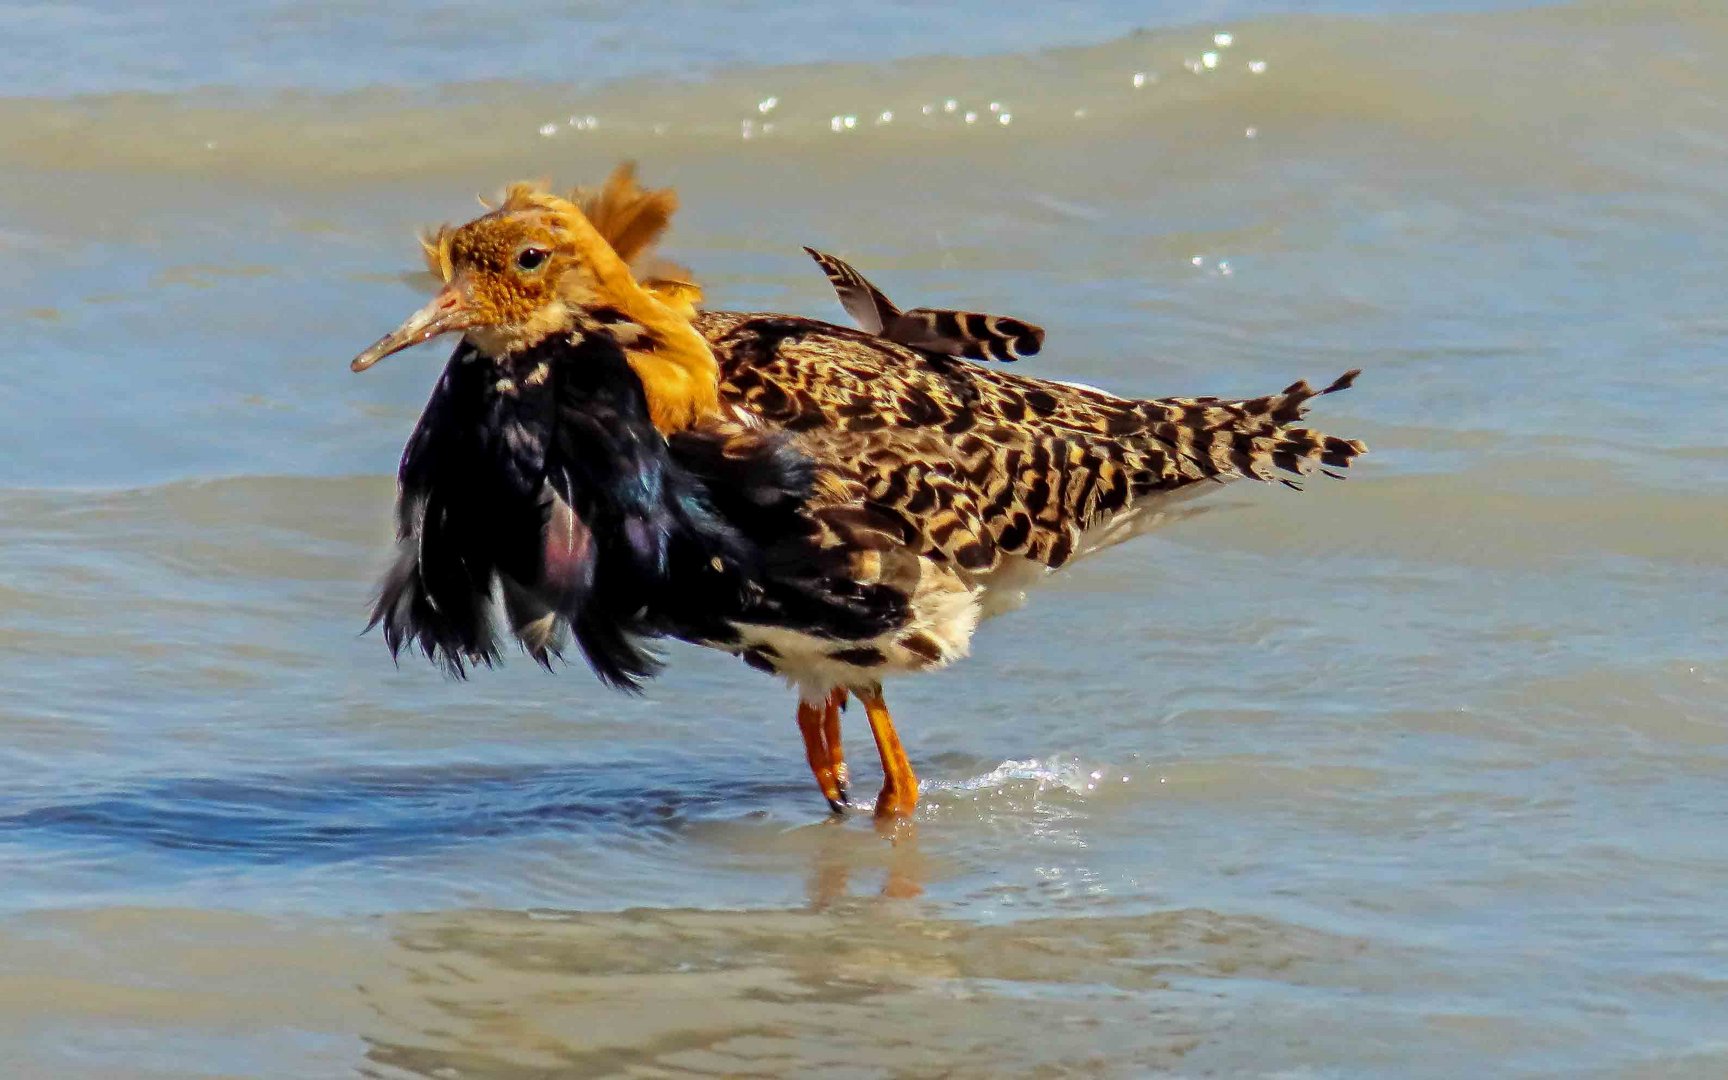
(336, 817)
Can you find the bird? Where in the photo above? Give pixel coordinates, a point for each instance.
(971, 334)
(598, 464)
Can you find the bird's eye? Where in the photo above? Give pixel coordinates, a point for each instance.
(532, 258)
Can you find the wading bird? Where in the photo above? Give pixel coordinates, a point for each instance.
(603, 462)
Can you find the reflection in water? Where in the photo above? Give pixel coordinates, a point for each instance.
(837, 854)
(862, 984)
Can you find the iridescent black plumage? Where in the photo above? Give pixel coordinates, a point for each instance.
(543, 478)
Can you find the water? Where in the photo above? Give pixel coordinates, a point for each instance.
(1420, 774)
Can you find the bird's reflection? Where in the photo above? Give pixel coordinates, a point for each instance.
(841, 851)
(537, 993)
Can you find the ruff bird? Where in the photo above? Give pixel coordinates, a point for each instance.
(603, 462)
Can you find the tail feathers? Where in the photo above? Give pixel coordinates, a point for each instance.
(1255, 438)
(1303, 452)
(1291, 404)
(1300, 451)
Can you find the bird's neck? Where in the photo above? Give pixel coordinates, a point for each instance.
(680, 378)
(679, 374)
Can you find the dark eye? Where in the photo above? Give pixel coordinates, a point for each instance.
(531, 258)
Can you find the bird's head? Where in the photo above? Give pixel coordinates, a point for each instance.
(532, 267)
(540, 265)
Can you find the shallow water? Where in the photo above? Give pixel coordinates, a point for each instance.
(1420, 774)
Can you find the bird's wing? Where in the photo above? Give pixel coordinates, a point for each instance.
(872, 311)
(977, 463)
(971, 334)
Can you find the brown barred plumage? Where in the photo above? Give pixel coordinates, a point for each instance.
(971, 334)
(974, 465)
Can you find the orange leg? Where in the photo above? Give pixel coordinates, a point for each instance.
(812, 725)
(831, 734)
(899, 786)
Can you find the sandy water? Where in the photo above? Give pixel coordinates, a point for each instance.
(1420, 774)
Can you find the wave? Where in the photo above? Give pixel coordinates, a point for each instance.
(1531, 83)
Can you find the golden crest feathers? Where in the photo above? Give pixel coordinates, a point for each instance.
(630, 217)
(436, 246)
(633, 219)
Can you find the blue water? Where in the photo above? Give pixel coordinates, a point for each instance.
(1417, 774)
(104, 48)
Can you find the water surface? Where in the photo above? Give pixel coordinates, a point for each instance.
(1420, 774)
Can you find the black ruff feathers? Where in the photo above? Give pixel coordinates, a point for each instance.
(544, 485)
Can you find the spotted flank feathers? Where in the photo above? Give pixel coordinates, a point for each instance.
(976, 466)
(970, 334)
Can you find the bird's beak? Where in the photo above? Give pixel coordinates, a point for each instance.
(447, 312)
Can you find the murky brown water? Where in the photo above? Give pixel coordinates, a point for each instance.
(1427, 780)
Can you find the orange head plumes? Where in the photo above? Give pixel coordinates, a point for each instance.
(535, 267)
(632, 219)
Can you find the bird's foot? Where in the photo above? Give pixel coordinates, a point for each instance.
(897, 801)
(832, 779)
